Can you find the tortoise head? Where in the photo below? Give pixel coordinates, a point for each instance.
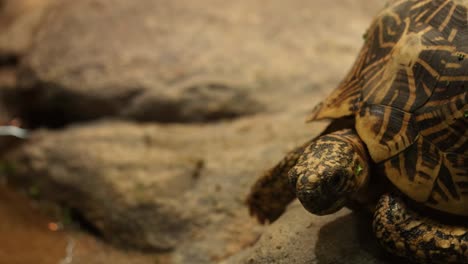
(331, 169)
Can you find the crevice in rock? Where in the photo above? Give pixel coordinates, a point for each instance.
(35, 114)
(51, 106)
(8, 60)
(84, 225)
(47, 105)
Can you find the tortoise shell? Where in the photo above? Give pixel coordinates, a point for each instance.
(408, 93)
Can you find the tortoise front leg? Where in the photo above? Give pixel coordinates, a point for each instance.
(404, 232)
(272, 192)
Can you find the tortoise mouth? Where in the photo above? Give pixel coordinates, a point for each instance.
(318, 203)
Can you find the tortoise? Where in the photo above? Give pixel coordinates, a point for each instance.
(397, 140)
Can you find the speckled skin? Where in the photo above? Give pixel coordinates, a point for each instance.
(335, 164)
(406, 233)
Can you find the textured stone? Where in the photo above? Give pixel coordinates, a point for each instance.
(98, 58)
(122, 184)
(197, 100)
(160, 187)
(300, 237)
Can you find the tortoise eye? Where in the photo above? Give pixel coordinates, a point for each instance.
(337, 179)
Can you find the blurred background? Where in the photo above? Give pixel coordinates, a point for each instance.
(132, 131)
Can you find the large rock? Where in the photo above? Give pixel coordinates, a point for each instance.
(119, 181)
(96, 58)
(299, 237)
(160, 187)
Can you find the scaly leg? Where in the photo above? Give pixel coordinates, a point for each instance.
(272, 192)
(406, 233)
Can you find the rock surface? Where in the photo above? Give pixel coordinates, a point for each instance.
(196, 100)
(241, 76)
(299, 237)
(79, 69)
(160, 187)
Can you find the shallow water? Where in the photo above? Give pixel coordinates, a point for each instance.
(26, 238)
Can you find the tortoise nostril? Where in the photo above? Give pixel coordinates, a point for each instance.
(307, 195)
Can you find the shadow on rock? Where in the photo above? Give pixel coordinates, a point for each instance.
(349, 239)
